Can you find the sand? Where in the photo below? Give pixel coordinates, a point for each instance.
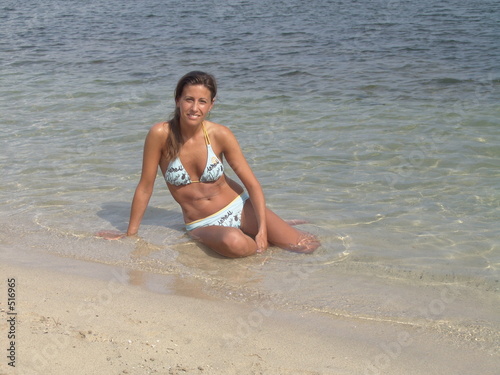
(85, 318)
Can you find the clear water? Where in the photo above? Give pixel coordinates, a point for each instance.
(376, 121)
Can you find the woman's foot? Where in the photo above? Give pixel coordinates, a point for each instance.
(306, 244)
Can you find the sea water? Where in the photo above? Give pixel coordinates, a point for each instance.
(375, 121)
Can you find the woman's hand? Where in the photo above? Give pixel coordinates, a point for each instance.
(261, 240)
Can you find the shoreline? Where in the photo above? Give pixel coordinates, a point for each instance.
(92, 318)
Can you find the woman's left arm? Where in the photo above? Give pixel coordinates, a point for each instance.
(237, 161)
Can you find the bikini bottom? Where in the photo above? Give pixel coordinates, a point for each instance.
(229, 216)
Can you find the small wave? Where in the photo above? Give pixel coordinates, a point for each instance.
(295, 73)
(449, 81)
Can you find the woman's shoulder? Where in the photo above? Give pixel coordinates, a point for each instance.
(218, 131)
(157, 136)
(159, 130)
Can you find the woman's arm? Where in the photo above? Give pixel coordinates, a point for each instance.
(151, 158)
(237, 161)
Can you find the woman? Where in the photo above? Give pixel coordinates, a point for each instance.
(217, 211)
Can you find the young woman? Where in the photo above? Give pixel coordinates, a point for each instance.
(217, 211)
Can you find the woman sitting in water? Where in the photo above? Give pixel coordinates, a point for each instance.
(217, 211)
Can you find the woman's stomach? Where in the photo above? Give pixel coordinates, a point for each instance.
(202, 199)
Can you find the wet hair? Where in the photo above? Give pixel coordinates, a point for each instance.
(174, 140)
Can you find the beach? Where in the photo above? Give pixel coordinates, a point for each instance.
(68, 322)
(372, 123)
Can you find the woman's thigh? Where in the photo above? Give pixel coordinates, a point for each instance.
(279, 232)
(227, 241)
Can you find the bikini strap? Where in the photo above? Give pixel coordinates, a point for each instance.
(207, 139)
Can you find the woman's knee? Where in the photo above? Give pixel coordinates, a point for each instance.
(237, 245)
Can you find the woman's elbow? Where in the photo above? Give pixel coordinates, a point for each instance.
(144, 189)
(253, 186)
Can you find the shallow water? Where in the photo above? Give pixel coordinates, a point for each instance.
(375, 121)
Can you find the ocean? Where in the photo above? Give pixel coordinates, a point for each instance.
(375, 121)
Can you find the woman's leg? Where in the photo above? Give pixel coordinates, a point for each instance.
(227, 241)
(235, 243)
(279, 232)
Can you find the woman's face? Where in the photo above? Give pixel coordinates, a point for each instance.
(194, 104)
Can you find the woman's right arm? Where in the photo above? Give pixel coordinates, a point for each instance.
(155, 140)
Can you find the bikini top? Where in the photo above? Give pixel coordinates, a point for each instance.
(214, 169)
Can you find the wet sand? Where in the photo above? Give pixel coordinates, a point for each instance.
(82, 318)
